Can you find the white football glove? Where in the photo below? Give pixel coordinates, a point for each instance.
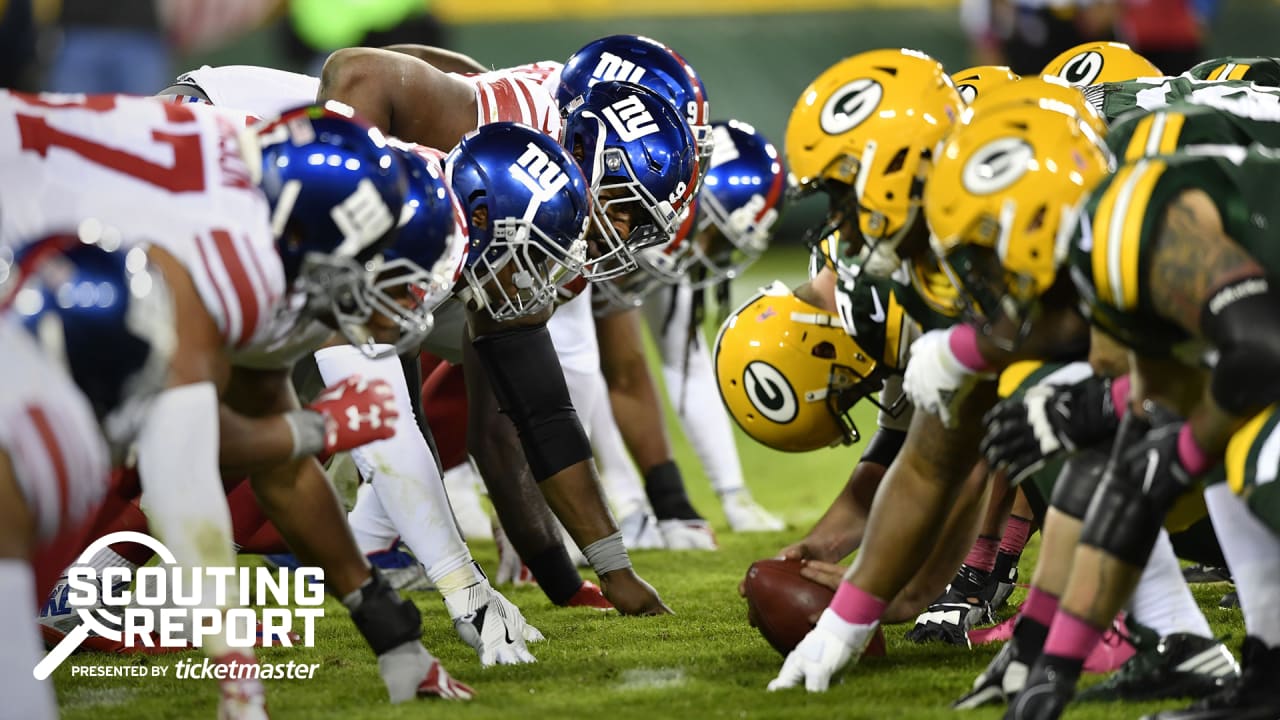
(935, 380)
(492, 625)
(828, 647)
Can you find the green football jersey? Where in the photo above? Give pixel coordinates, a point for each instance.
(1165, 130)
(1261, 70)
(1111, 254)
(1113, 100)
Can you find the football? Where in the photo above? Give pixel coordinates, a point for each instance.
(780, 602)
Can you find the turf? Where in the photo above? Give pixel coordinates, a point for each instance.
(705, 661)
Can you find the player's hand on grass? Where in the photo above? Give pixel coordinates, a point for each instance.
(631, 595)
(828, 647)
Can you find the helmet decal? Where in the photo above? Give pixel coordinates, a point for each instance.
(612, 67)
(629, 119)
(997, 165)
(768, 390)
(537, 172)
(1083, 68)
(850, 105)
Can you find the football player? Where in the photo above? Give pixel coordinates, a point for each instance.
(261, 250)
(65, 406)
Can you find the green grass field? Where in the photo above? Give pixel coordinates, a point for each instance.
(705, 661)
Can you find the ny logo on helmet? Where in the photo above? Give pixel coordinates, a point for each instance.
(629, 119)
(850, 106)
(723, 148)
(997, 165)
(1082, 69)
(613, 68)
(536, 172)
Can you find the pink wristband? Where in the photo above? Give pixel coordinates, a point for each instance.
(857, 606)
(963, 341)
(1192, 456)
(1120, 395)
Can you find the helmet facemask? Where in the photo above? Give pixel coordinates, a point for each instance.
(516, 274)
(653, 222)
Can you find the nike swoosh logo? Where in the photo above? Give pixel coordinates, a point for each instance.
(877, 315)
(1153, 462)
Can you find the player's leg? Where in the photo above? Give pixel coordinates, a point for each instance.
(25, 697)
(692, 390)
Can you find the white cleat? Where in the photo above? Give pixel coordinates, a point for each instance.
(688, 535)
(747, 515)
(640, 531)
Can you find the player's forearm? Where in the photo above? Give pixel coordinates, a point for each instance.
(575, 497)
(839, 531)
(441, 59)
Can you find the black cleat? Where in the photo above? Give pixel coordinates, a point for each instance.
(960, 607)
(1048, 691)
(1229, 601)
(1177, 665)
(1256, 696)
(1003, 580)
(1004, 678)
(1200, 573)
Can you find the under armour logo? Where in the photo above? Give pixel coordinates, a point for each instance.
(535, 170)
(613, 68)
(357, 419)
(630, 119)
(362, 219)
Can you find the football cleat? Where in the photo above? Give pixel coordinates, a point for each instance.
(1004, 678)
(492, 625)
(1177, 665)
(1003, 580)
(241, 698)
(1255, 696)
(747, 515)
(439, 684)
(959, 608)
(688, 535)
(1045, 696)
(640, 530)
(401, 569)
(1229, 601)
(1201, 573)
(410, 671)
(589, 596)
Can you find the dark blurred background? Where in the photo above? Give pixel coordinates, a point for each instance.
(755, 56)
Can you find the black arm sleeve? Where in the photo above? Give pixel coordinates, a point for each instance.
(1242, 320)
(883, 447)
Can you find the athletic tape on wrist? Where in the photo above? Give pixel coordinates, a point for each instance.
(308, 431)
(607, 554)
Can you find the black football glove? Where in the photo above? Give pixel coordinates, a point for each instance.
(1025, 432)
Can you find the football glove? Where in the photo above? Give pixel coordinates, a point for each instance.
(1025, 432)
(355, 412)
(935, 380)
(828, 647)
(492, 625)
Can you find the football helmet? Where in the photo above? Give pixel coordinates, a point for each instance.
(789, 374)
(863, 132)
(336, 191)
(1260, 70)
(1002, 204)
(638, 155)
(643, 61)
(1048, 91)
(1092, 63)
(526, 206)
(741, 199)
(107, 317)
(419, 269)
(973, 82)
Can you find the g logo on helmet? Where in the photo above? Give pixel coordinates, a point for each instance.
(850, 106)
(1082, 69)
(996, 165)
(769, 392)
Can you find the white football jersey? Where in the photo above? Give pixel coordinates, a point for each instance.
(264, 92)
(48, 429)
(524, 94)
(148, 172)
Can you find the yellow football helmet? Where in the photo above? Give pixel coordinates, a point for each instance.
(1100, 62)
(789, 373)
(863, 132)
(1044, 90)
(972, 82)
(1002, 202)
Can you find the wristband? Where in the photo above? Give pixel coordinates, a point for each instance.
(308, 430)
(607, 554)
(855, 605)
(963, 341)
(1191, 455)
(1120, 395)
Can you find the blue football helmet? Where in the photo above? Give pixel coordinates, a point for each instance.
(639, 158)
(336, 191)
(107, 317)
(741, 200)
(526, 203)
(647, 62)
(418, 270)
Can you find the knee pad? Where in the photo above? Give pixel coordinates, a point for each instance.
(385, 619)
(1077, 482)
(528, 382)
(1124, 521)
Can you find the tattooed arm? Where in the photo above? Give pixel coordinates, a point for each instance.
(1192, 259)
